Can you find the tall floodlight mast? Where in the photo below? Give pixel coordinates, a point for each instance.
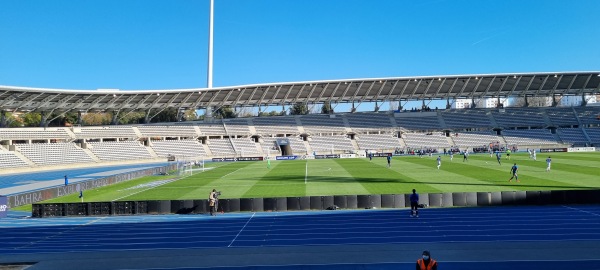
(210, 45)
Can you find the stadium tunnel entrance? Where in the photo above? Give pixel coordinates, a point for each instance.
(284, 145)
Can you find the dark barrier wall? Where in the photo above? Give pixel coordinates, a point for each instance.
(318, 203)
(50, 193)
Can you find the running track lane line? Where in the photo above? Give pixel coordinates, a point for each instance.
(587, 212)
(241, 229)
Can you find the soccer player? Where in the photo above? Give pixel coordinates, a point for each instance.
(466, 155)
(548, 163)
(389, 160)
(513, 171)
(530, 153)
(451, 155)
(534, 155)
(439, 161)
(508, 154)
(414, 204)
(499, 157)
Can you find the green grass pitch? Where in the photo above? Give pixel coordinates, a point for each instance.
(360, 176)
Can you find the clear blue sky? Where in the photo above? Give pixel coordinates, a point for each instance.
(150, 44)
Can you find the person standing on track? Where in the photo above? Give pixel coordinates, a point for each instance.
(212, 202)
(426, 262)
(414, 204)
(513, 171)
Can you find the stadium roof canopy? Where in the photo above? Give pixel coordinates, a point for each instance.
(336, 91)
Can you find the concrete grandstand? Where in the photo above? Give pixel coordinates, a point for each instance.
(394, 130)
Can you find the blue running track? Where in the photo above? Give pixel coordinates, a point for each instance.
(19, 179)
(557, 237)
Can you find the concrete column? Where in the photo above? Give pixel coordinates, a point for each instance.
(448, 105)
(79, 119)
(44, 123)
(583, 101)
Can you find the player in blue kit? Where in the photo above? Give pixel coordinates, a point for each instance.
(389, 160)
(439, 161)
(499, 157)
(513, 171)
(548, 163)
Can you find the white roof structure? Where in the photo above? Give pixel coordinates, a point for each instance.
(24, 99)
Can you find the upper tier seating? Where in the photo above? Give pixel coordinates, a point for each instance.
(119, 150)
(467, 118)
(529, 137)
(105, 132)
(562, 116)
(328, 143)
(323, 123)
(237, 126)
(54, 153)
(588, 115)
(33, 134)
(298, 145)
(216, 129)
(422, 140)
(377, 141)
(419, 123)
(168, 131)
(181, 148)
(521, 117)
(369, 121)
(572, 136)
(221, 147)
(276, 125)
(475, 138)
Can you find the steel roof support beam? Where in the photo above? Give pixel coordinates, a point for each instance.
(389, 95)
(514, 86)
(487, 89)
(356, 92)
(440, 87)
(502, 86)
(299, 93)
(542, 85)
(571, 83)
(343, 93)
(272, 101)
(450, 89)
(415, 89)
(47, 100)
(429, 83)
(582, 90)
(463, 88)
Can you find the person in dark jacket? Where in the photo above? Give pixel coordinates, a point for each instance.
(426, 262)
(414, 204)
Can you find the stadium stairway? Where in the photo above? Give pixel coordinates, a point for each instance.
(577, 117)
(492, 119)
(450, 141)
(441, 120)
(586, 134)
(348, 129)
(24, 158)
(71, 134)
(546, 118)
(138, 133)
(355, 144)
(207, 150)
(197, 129)
(151, 151)
(251, 126)
(89, 153)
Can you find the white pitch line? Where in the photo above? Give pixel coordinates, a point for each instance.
(241, 229)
